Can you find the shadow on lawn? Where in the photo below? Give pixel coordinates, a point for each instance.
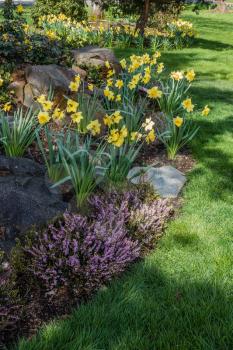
(211, 45)
(147, 310)
(216, 159)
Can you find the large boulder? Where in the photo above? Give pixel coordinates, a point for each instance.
(26, 199)
(36, 80)
(96, 57)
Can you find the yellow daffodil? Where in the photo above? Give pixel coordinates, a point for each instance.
(74, 86)
(148, 124)
(146, 79)
(124, 131)
(58, 114)
(43, 118)
(51, 35)
(178, 121)
(77, 117)
(118, 98)
(47, 105)
(123, 63)
(111, 72)
(117, 117)
(90, 87)
(26, 27)
(117, 137)
(7, 107)
(72, 106)
(135, 136)
(77, 79)
(119, 142)
(20, 9)
(190, 75)
(153, 62)
(132, 85)
(109, 94)
(94, 127)
(119, 84)
(205, 111)
(150, 136)
(160, 68)
(177, 75)
(154, 92)
(41, 99)
(187, 105)
(1, 82)
(107, 65)
(114, 135)
(108, 120)
(146, 58)
(157, 54)
(147, 70)
(110, 82)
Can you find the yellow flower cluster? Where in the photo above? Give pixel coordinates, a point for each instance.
(51, 34)
(112, 119)
(188, 105)
(74, 85)
(185, 27)
(20, 9)
(178, 75)
(47, 113)
(7, 107)
(118, 136)
(140, 70)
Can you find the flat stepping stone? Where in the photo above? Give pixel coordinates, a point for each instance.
(166, 180)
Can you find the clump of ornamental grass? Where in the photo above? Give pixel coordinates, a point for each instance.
(18, 135)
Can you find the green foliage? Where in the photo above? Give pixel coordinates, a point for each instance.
(18, 135)
(83, 166)
(20, 43)
(174, 92)
(11, 33)
(120, 162)
(74, 9)
(51, 156)
(175, 138)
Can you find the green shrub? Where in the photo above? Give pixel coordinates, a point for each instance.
(74, 9)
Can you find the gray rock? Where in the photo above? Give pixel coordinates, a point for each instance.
(95, 56)
(25, 200)
(166, 180)
(42, 77)
(36, 80)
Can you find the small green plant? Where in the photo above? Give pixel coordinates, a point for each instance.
(18, 135)
(179, 132)
(174, 92)
(120, 162)
(89, 106)
(83, 167)
(51, 155)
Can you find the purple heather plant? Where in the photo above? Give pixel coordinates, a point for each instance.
(72, 258)
(79, 255)
(147, 221)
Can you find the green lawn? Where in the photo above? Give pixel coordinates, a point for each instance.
(181, 296)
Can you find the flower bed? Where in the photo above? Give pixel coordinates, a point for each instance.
(88, 141)
(176, 34)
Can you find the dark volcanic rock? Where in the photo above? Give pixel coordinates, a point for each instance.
(25, 199)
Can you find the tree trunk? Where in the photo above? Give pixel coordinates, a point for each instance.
(143, 19)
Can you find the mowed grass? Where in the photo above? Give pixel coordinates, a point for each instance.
(180, 296)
